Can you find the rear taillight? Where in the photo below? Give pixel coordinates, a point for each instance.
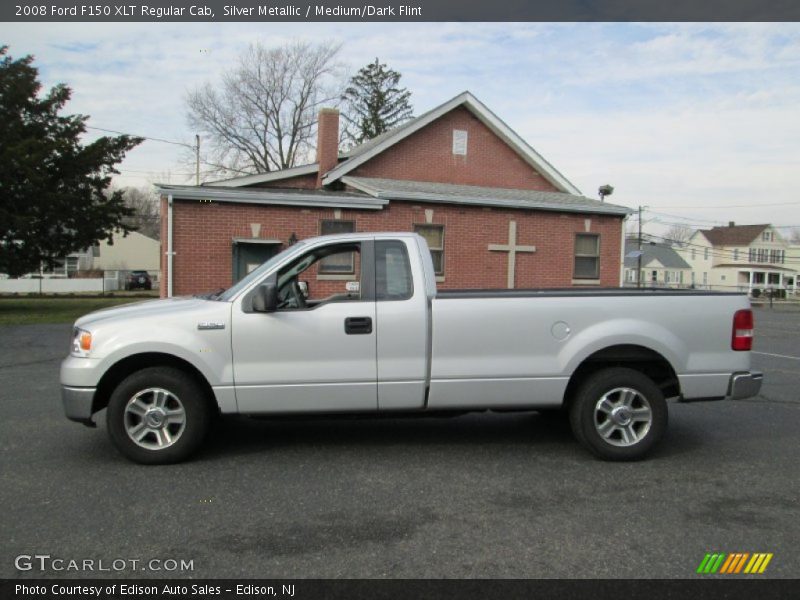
(742, 330)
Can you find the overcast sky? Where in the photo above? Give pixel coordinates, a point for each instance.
(700, 122)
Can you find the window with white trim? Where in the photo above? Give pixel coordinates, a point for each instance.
(434, 236)
(587, 256)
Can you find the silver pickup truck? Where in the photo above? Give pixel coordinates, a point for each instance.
(354, 323)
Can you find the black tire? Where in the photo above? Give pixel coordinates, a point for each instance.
(147, 387)
(629, 431)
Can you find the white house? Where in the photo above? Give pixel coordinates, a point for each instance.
(661, 265)
(134, 252)
(740, 258)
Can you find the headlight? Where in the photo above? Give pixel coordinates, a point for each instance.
(81, 342)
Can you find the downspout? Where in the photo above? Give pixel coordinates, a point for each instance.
(169, 246)
(622, 254)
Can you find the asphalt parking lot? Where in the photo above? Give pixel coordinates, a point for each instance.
(474, 496)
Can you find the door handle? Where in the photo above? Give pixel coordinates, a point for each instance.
(358, 325)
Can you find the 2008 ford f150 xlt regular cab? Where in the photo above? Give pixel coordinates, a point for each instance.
(388, 342)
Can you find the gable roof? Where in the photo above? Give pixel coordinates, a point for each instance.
(358, 155)
(662, 253)
(425, 191)
(736, 235)
(361, 154)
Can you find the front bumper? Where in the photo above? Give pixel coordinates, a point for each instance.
(744, 385)
(78, 404)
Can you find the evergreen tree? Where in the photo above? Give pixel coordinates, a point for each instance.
(374, 103)
(52, 188)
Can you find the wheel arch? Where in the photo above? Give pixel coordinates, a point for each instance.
(136, 362)
(633, 356)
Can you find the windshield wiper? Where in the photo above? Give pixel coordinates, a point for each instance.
(211, 295)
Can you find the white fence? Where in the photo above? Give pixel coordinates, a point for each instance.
(57, 286)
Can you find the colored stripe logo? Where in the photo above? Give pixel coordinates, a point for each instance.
(734, 563)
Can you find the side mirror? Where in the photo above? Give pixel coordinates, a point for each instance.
(266, 298)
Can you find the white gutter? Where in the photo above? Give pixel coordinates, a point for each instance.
(170, 253)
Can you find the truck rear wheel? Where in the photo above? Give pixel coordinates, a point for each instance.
(618, 414)
(158, 415)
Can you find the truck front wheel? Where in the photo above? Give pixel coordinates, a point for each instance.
(158, 415)
(618, 414)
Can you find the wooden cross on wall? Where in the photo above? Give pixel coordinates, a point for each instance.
(512, 250)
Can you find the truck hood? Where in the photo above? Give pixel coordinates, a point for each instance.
(148, 308)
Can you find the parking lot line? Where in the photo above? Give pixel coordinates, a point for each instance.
(778, 355)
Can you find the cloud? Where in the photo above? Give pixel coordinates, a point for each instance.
(671, 114)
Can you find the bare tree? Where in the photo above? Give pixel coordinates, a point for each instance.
(262, 115)
(794, 236)
(678, 234)
(146, 217)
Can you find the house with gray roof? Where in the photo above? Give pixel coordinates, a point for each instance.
(494, 211)
(655, 265)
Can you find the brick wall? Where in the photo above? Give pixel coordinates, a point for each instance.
(203, 234)
(427, 155)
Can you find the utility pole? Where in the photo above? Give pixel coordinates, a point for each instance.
(197, 159)
(639, 267)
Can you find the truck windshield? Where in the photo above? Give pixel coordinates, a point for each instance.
(231, 292)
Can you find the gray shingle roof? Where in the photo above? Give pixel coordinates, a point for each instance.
(663, 253)
(423, 191)
(279, 196)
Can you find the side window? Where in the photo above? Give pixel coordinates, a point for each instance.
(337, 264)
(434, 236)
(393, 279)
(299, 288)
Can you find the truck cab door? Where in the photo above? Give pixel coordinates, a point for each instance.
(317, 351)
(404, 335)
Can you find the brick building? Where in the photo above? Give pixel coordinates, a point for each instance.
(495, 213)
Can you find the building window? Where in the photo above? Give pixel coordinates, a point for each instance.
(694, 254)
(587, 256)
(434, 236)
(766, 236)
(459, 142)
(736, 254)
(705, 253)
(342, 263)
(72, 264)
(705, 278)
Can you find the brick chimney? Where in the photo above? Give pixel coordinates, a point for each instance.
(327, 141)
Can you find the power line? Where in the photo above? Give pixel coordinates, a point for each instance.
(153, 139)
(695, 207)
